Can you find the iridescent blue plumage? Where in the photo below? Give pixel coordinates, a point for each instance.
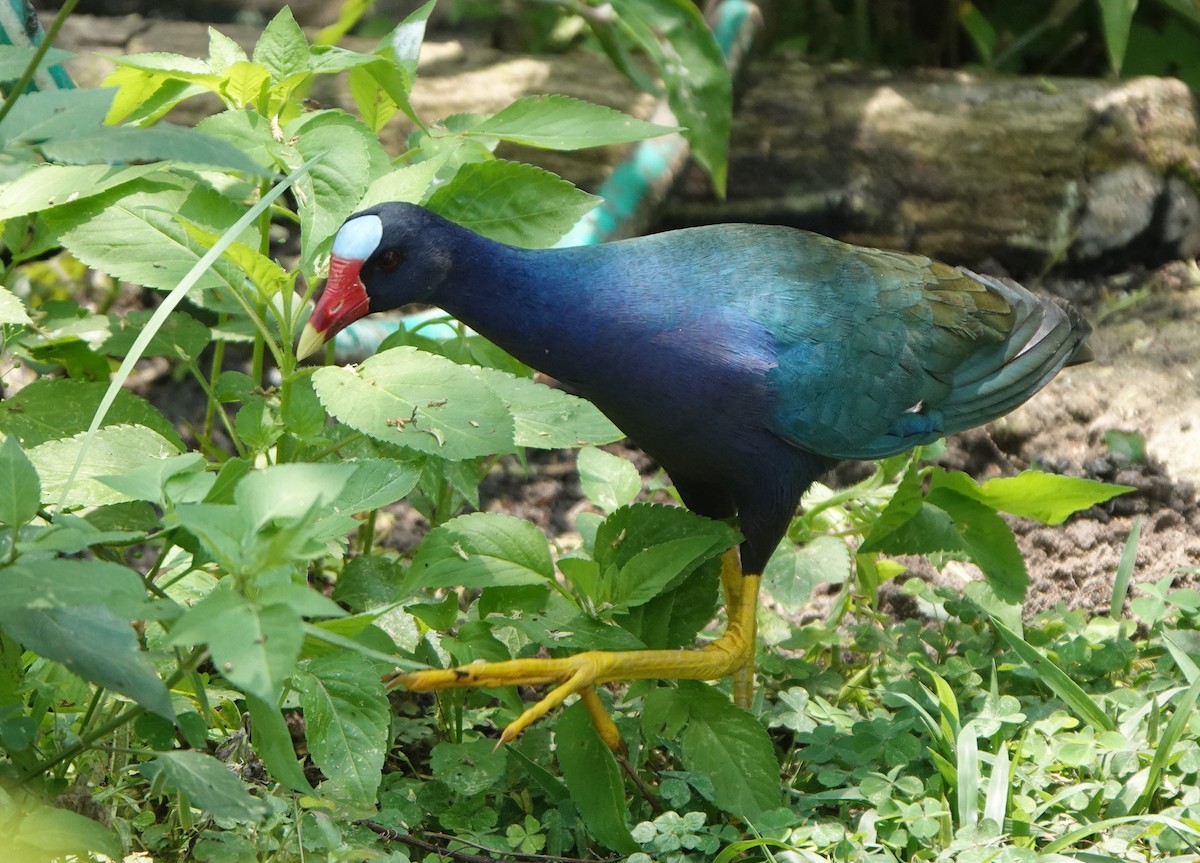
(743, 358)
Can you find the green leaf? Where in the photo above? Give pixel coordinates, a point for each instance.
(418, 400)
(12, 310)
(648, 572)
(699, 88)
(44, 186)
(376, 483)
(208, 784)
(482, 549)
(49, 409)
(42, 116)
(72, 583)
(608, 481)
(162, 143)
(410, 183)
(332, 189)
(548, 418)
(20, 490)
(719, 741)
(1116, 16)
(273, 742)
(1080, 703)
(989, 540)
(283, 47)
(289, 491)
(794, 571)
(512, 203)
(594, 779)
(97, 645)
(149, 482)
(563, 123)
(113, 450)
(253, 648)
(1045, 497)
(37, 832)
(468, 768)
(632, 529)
(347, 718)
(139, 240)
(181, 335)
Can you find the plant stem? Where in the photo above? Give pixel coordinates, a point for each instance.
(134, 711)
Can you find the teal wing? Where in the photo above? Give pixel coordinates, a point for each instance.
(879, 351)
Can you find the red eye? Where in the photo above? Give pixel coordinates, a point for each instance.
(390, 259)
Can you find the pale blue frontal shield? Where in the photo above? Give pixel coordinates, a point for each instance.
(358, 238)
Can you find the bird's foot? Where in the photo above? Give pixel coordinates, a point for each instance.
(732, 653)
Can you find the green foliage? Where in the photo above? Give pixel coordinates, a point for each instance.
(244, 546)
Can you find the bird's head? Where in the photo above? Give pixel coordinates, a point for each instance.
(382, 258)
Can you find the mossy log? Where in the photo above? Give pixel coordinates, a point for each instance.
(1029, 173)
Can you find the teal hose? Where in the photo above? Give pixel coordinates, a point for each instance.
(635, 185)
(19, 25)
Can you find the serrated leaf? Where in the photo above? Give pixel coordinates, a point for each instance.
(245, 83)
(332, 189)
(548, 418)
(208, 783)
(122, 145)
(71, 583)
(347, 719)
(223, 52)
(608, 481)
(649, 571)
(52, 408)
(564, 123)
(482, 549)
(138, 239)
(1045, 497)
(254, 648)
(410, 184)
(283, 47)
(630, 530)
(45, 186)
(20, 490)
(418, 400)
(512, 203)
(112, 450)
(95, 644)
(181, 335)
(594, 779)
(12, 310)
(721, 742)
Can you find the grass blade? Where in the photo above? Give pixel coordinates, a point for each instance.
(1125, 570)
(1080, 703)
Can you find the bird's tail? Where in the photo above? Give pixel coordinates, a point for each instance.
(1047, 335)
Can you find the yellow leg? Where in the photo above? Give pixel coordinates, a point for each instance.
(578, 674)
